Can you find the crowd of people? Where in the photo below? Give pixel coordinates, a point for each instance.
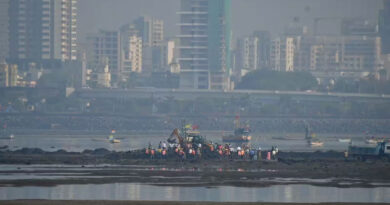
(195, 151)
(210, 123)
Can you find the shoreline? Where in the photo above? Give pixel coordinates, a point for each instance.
(74, 202)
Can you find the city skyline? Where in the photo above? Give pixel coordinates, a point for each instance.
(123, 11)
(202, 51)
(188, 102)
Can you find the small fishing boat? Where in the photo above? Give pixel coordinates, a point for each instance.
(242, 134)
(374, 141)
(316, 144)
(346, 140)
(312, 139)
(112, 140)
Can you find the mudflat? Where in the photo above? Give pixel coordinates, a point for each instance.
(134, 167)
(49, 202)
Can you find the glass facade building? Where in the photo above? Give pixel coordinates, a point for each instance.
(205, 38)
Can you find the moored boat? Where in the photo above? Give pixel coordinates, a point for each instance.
(346, 140)
(317, 144)
(112, 139)
(241, 134)
(374, 141)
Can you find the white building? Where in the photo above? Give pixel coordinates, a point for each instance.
(131, 60)
(248, 53)
(282, 54)
(8, 75)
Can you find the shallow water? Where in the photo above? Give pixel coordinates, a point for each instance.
(278, 193)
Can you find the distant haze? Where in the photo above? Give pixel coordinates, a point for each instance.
(248, 15)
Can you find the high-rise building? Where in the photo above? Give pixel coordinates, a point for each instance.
(334, 53)
(325, 54)
(362, 53)
(4, 32)
(132, 55)
(205, 44)
(384, 27)
(43, 31)
(151, 30)
(248, 47)
(303, 52)
(161, 57)
(282, 54)
(263, 49)
(131, 51)
(169, 53)
(104, 48)
(8, 75)
(4, 78)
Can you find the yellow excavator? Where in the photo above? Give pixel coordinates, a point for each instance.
(175, 134)
(190, 136)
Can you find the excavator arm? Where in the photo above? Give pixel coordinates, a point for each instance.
(174, 135)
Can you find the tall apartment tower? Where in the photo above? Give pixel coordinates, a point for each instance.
(132, 56)
(103, 48)
(205, 44)
(151, 30)
(384, 27)
(263, 49)
(4, 32)
(43, 31)
(131, 50)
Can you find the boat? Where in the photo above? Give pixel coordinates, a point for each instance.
(112, 139)
(311, 138)
(241, 134)
(346, 140)
(316, 143)
(374, 141)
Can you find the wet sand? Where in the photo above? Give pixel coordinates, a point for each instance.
(48, 202)
(133, 167)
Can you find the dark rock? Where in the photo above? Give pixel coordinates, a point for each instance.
(87, 151)
(101, 151)
(30, 151)
(61, 151)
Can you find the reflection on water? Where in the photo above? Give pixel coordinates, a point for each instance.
(279, 193)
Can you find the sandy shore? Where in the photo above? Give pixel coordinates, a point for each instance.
(47, 202)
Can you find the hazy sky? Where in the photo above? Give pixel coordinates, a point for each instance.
(248, 15)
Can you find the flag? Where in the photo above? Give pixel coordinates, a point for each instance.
(188, 126)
